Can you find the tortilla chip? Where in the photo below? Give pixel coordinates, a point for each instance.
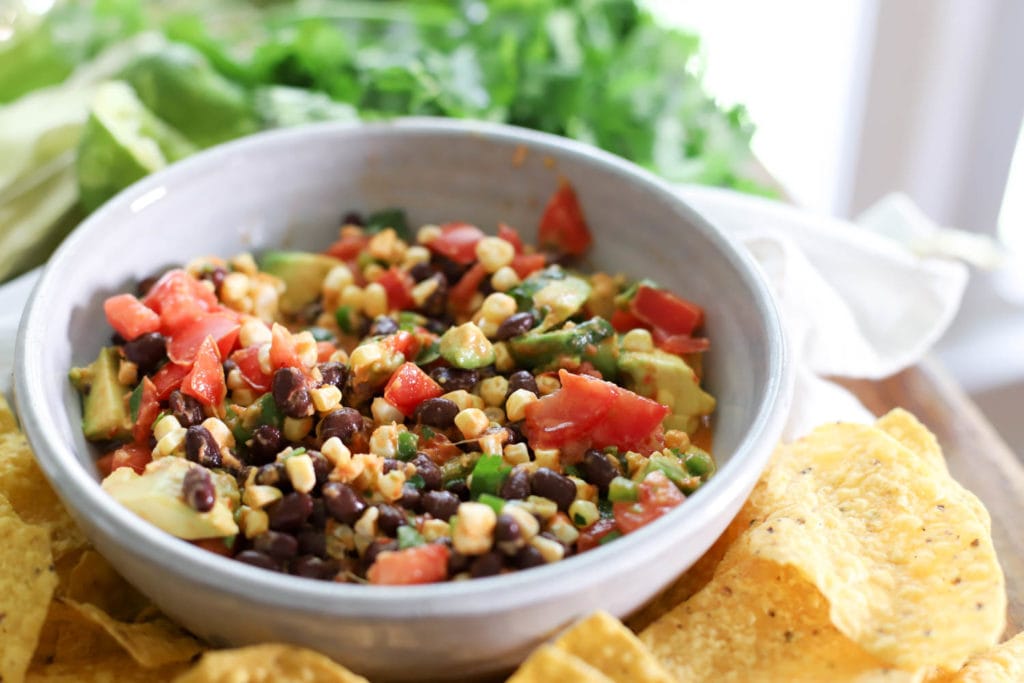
(95, 582)
(23, 484)
(1002, 664)
(116, 668)
(604, 643)
(27, 581)
(549, 663)
(267, 664)
(760, 622)
(908, 568)
(151, 643)
(68, 638)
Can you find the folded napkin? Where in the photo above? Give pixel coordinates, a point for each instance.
(854, 304)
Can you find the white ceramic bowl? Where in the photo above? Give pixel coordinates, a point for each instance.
(289, 188)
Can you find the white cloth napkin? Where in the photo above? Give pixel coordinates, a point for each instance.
(854, 304)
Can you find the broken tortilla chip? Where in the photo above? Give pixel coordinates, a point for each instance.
(603, 642)
(267, 664)
(549, 663)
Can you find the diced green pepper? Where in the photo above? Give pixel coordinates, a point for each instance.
(494, 502)
(416, 481)
(343, 316)
(321, 334)
(488, 475)
(408, 537)
(428, 354)
(407, 445)
(388, 218)
(135, 402)
(457, 468)
(699, 462)
(622, 490)
(610, 536)
(673, 469)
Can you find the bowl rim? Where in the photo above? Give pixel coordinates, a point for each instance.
(81, 492)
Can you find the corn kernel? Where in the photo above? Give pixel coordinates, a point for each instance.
(492, 442)
(433, 529)
(528, 524)
(637, 340)
(165, 425)
(336, 452)
(424, 290)
(367, 524)
(173, 442)
(503, 360)
(260, 496)
(504, 279)
(493, 390)
(547, 384)
(254, 331)
(384, 440)
(583, 513)
(127, 373)
(326, 398)
(677, 438)
(390, 485)
(375, 300)
(305, 348)
(427, 234)
(472, 422)
(264, 296)
(300, 472)
(498, 306)
(487, 326)
(474, 529)
(516, 454)
(465, 400)
(515, 406)
(548, 457)
(245, 263)
(635, 462)
(341, 539)
(414, 255)
(584, 490)
(263, 357)
(252, 522)
(495, 414)
(386, 246)
(234, 287)
(339, 356)
(494, 253)
(385, 413)
(551, 551)
(219, 431)
(563, 529)
(541, 507)
(352, 296)
(365, 355)
(372, 271)
(337, 279)
(296, 429)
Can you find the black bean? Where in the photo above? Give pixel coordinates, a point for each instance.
(344, 423)
(278, 545)
(257, 559)
(312, 567)
(353, 218)
(201, 447)
(459, 488)
(334, 373)
(527, 557)
(321, 466)
(421, 271)
(437, 412)
(187, 410)
(439, 325)
(410, 499)
(291, 394)
(516, 486)
(382, 326)
(453, 379)
(291, 512)
(487, 564)
(457, 562)
(453, 271)
(389, 518)
(515, 325)
(343, 502)
(198, 490)
(376, 548)
(440, 504)
(391, 464)
(429, 471)
(515, 432)
(146, 351)
(242, 475)
(598, 470)
(435, 305)
(553, 486)
(312, 542)
(318, 517)
(216, 276)
(522, 379)
(273, 474)
(145, 284)
(506, 529)
(267, 442)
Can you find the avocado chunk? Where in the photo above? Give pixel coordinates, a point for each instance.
(667, 379)
(466, 346)
(104, 411)
(303, 274)
(593, 340)
(156, 496)
(555, 293)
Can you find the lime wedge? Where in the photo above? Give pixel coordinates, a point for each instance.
(122, 142)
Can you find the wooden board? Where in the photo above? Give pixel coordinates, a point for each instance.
(978, 458)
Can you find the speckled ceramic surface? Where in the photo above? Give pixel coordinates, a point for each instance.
(290, 188)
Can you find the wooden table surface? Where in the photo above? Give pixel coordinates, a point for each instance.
(978, 458)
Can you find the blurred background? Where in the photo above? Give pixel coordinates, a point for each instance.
(832, 106)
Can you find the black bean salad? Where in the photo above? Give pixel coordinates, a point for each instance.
(404, 407)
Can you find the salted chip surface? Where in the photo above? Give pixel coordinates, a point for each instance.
(267, 664)
(549, 663)
(27, 582)
(114, 668)
(94, 581)
(761, 622)
(909, 570)
(603, 642)
(23, 484)
(1002, 664)
(151, 643)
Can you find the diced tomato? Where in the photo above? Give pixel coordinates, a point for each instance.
(179, 299)
(624, 321)
(398, 284)
(205, 381)
(591, 411)
(184, 344)
(324, 351)
(129, 316)
(422, 564)
(214, 545)
(679, 344)
(409, 386)
(663, 309)
(348, 247)
(457, 242)
(133, 455)
(510, 235)
(525, 264)
(282, 349)
(248, 362)
(149, 408)
(405, 343)
(562, 226)
(592, 535)
(462, 293)
(168, 378)
(658, 495)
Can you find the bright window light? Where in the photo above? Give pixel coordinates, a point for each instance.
(1011, 214)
